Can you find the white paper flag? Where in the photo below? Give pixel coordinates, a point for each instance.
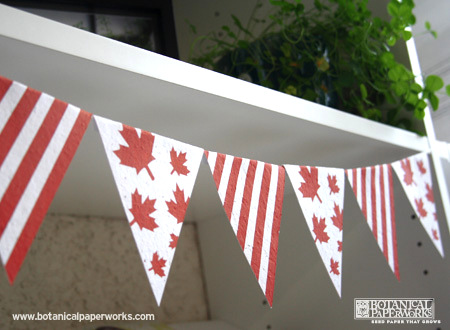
(252, 196)
(415, 175)
(155, 176)
(320, 192)
(374, 190)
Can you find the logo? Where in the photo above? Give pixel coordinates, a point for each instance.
(400, 311)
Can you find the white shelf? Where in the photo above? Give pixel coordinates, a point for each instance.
(182, 101)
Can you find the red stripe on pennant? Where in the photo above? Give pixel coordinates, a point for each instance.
(16, 121)
(231, 188)
(374, 202)
(206, 153)
(45, 198)
(30, 162)
(5, 84)
(260, 219)
(363, 191)
(246, 200)
(275, 235)
(383, 213)
(218, 169)
(393, 230)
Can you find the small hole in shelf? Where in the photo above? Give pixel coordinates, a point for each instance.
(413, 216)
(419, 243)
(264, 302)
(425, 272)
(268, 327)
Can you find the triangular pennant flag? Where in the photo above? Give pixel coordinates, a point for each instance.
(320, 193)
(374, 191)
(155, 176)
(39, 136)
(415, 175)
(252, 195)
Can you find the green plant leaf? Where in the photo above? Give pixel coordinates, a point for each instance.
(406, 35)
(412, 98)
(238, 23)
(434, 83)
(419, 113)
(447, 89)
(434, 34)
(393, 8)
(363, 91)
(427, 25)
(416, 88)
(392, 40)
(434, 100)
(421, 105)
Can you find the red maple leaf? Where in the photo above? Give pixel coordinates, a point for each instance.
(419, 204)
(422, 169)
(319, 230)
(435, 235)
(178, 162)
(138, 154)
(174, 242)
(158, 264)
(337, 217)
(334, 265)
(332, 183)
(339, 246)
(141, 211)
(430, 195)
(406, 166)
(311, 185)
(178, 207)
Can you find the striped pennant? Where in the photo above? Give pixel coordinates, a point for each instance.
(414, 174)
(252, 195)
(374, 191)
(320, 193)
(39, 136)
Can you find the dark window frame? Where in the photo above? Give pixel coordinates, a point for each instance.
(161, 9)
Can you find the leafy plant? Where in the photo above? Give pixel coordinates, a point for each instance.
(336, 53)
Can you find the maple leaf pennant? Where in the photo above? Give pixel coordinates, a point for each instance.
(252, 196)
(155, 176)
(374, 192)
(420, 193)
(324, 214)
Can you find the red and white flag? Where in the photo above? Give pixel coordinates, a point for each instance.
(252, 195)
(155, 176)
(39, 136)
(415, 175)
(374, 191)
(320, 193)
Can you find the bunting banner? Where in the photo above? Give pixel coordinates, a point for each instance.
(39, 136)
(374, 190)
(155, 176)
(320, 193)
(414, 174)
(252, 196)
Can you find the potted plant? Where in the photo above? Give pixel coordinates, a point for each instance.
(336, 53)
